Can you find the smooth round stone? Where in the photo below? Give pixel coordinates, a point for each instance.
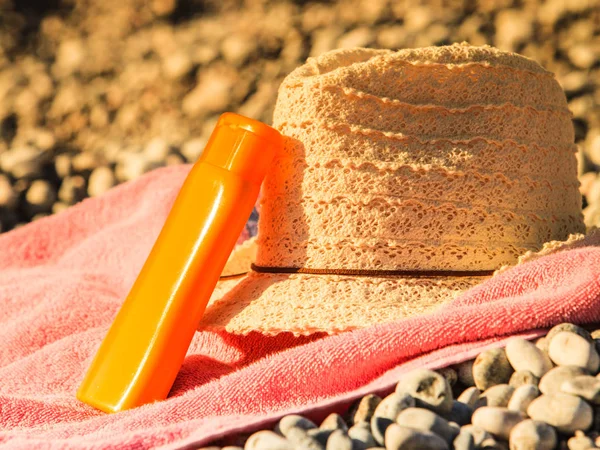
(580, 442)
(464, 441)
(524, 355)
(339, 440)
(334, 422)
(425, 420)
(469, 396)
(267, 440)
(361, 434)
(363, 410)
(585, 386)
(554, 379)
(565, 412)
(532, 435)
(522, 398)
(386, 412)
(490, 368)
(570, 349)
(478, 433)
(301, 439)
(464, 371)
(429, 389)
(402, 438)
(498, 395)
(461, 413)
(521, 377)
(571, 328)
(496, 420)
(293, 421)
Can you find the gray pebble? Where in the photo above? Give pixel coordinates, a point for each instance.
(363, 409)
(553, 380)
(425, 420)
(339, 440)
(522, 398)
(464, 441)
(521, 377)
(469, 396)
(402, 438)
(429, 389)
(334, 422)
(580, 442)
(361, 435)
(570, 349)
(532, 435)
(478, 433)
(565, 412)
(464, 371)
(449, 374)
(490, 368)
(461, 413)
(585, 386)
(498, 395)
(572, 328)
(293, 421)
(524, 355)
(496, 420)
(386, 412)
(267, 440)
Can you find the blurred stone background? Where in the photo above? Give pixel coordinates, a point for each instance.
(98, 92)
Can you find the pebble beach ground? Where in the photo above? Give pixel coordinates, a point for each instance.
(539, 395)
(99, 92)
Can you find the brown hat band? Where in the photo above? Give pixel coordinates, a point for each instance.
(368, 272)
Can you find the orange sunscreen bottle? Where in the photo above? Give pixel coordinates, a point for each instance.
(143, 351)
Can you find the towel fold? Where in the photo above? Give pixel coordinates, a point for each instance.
(63, 278)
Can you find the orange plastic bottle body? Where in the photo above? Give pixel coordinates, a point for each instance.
(142, 353)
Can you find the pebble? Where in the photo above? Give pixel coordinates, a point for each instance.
(552, 382)
(532, 435)
(461, 413)
(301, 439)
(267, 440)
(498, 395)
(464, 372)
(40, 195)
(570, 349)
(497, 421)
(469, 396)
(521, 377)
(490, 368)
(386, 413)
(449, 374)
(101, 180)
(339, 440)
(522, 398)
(585, 386)
(464, 441)
(72, 189)
(363, 409)
(565, 412)
(8, 197)
(293, 421)
(334, 422)
(568, 327)
(580, 442)
(321, 436)
(361, 435)
(22, 162)
(478, 433)
(429, 389)
(426, 420)
(402, 438)
(525, 356)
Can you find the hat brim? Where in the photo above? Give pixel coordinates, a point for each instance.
(305, 303)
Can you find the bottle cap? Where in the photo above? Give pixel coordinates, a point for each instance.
(243, 146)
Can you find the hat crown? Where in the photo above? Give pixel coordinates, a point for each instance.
(443, 158)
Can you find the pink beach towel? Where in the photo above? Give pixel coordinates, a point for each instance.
(63, 278)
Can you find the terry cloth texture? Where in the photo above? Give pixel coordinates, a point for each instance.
(63, 278)
(455, 158)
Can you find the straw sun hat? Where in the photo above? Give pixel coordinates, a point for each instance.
(407, 177)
